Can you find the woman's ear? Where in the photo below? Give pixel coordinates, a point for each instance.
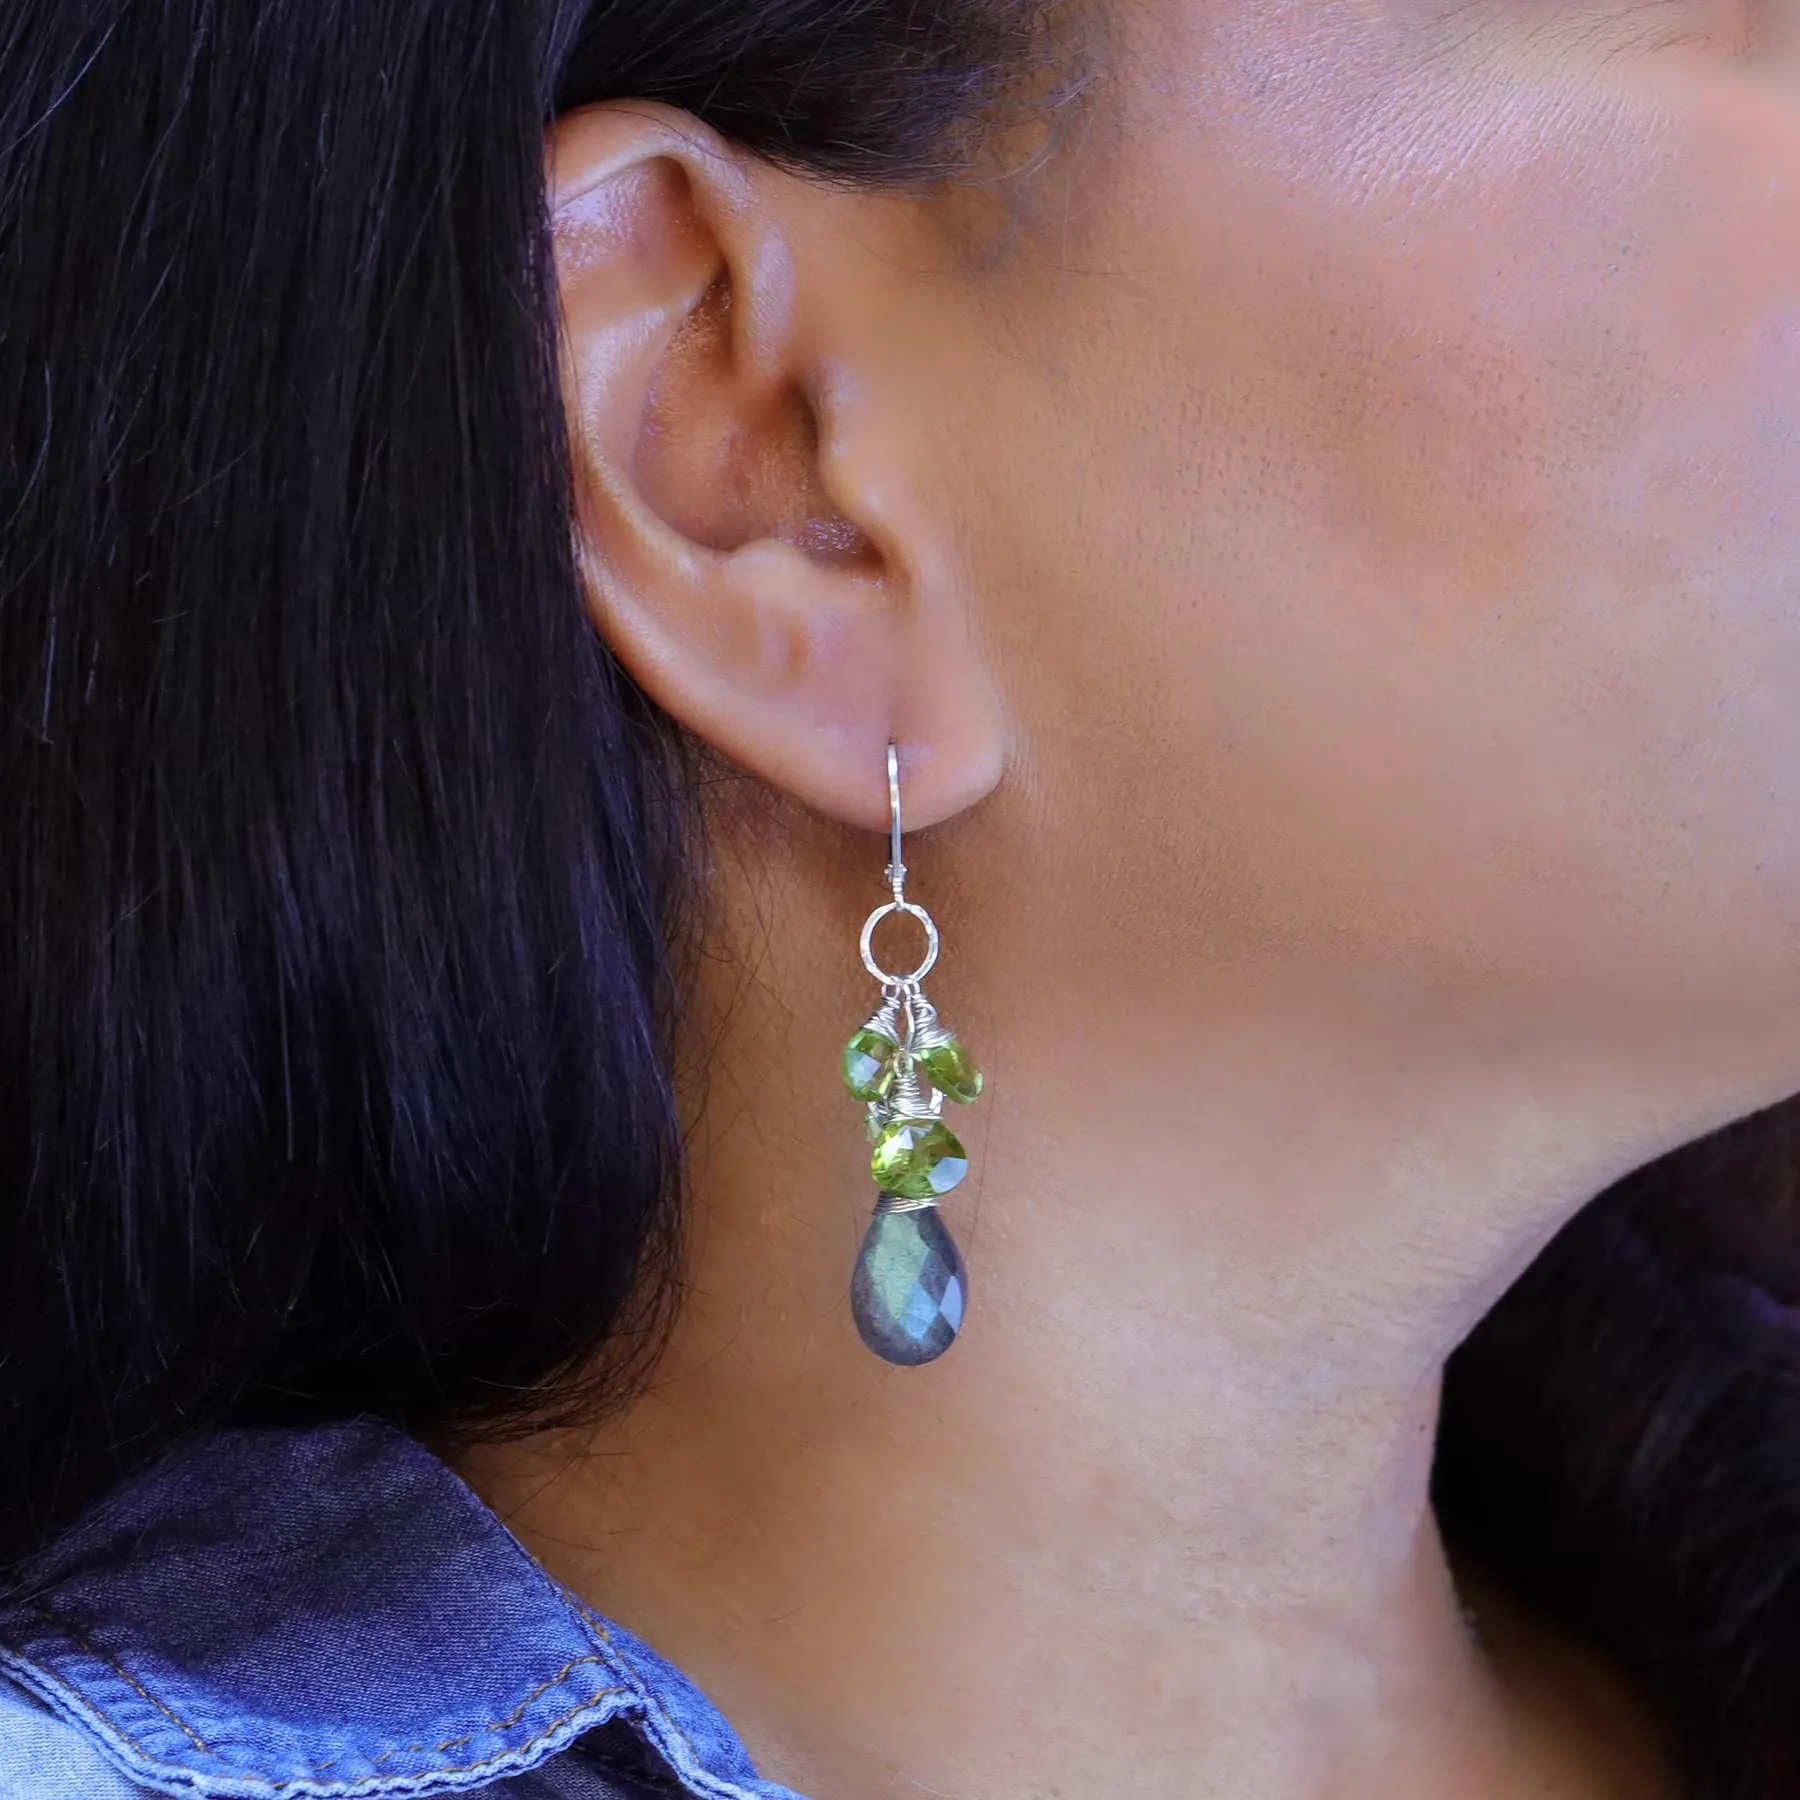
(740, 554)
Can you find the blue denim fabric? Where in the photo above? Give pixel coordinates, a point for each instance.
(282, 1613)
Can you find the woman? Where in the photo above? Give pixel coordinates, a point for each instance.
(1307, 492)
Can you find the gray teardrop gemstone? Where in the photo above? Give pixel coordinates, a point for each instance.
(909, 1287)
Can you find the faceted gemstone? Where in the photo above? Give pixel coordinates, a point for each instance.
(909, 1288)
(918, 1159)
(869, 1064)
(952, 1070)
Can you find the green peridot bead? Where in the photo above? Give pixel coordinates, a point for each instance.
(918, 1159)
(952, 1071)
(869, 1064)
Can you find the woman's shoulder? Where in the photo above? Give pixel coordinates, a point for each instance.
(327, 1612)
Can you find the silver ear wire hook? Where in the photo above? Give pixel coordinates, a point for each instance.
(896, 875)
(896, 870)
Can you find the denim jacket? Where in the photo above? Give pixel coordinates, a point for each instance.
(289, 1614)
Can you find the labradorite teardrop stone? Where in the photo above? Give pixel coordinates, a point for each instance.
(869, 1064)
(909, 1289)
(919, 1159)
(952, 1071)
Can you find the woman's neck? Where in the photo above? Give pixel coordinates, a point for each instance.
(1159, 1524)
(964, 1594)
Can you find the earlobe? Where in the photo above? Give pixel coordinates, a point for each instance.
(718, 532)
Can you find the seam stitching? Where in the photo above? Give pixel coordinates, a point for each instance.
(51, 1617)
(655, 1711)
(340, 1791)
(518, 1712)
(76, 1694)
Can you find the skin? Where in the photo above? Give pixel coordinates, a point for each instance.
(1322, 533)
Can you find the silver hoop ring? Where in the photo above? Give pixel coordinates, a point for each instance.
(868, 944)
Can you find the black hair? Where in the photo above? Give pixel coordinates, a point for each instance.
(344, 869)
(344, 883)
(1621, 1445)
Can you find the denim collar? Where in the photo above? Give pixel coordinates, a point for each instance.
(278, 1613)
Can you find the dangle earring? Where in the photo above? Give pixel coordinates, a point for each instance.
(909, 1289)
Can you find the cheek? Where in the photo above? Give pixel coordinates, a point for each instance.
(1577, 360)
(1557, 401)
(1453, 415)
